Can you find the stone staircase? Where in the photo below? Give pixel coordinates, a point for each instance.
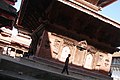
(42, 69)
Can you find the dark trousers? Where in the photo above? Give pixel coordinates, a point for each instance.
(65, 68)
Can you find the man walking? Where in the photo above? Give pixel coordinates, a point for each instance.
(66, 65)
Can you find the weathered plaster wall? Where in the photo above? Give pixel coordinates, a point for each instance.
(57, 47)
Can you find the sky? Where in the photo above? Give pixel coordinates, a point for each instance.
(17, 4)
(112, 11)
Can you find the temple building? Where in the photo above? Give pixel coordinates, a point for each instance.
(14, 43)
(115, 66)
(8, 13)
(62, 27)
(10, 38)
